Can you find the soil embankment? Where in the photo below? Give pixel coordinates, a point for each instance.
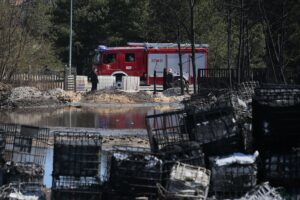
(21, 97)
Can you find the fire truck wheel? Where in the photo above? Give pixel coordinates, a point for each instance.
(119, 80)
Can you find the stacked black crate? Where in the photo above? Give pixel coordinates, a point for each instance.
(214, 124)
(134, 172)
(25, 153)
(276, 128)
(76, 166)
(233, 175)
(170, 139)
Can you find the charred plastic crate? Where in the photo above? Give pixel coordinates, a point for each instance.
(281, 169)
(166, 129)
(185, 152)
(77, 154)
(233, 176)
(218, 132)
(276, 118)
(76, 165)
(135, 171)
(25, 152)
(76, 188)
(186, 182)
(26, 144)
(210, 100)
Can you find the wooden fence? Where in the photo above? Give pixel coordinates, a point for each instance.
(41, 81)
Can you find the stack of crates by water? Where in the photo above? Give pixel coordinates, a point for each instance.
(106, 82)
(76, 166)
(234, 175)
(131, 83)
(82, 83)
(25, 152)
(276, 129)
(134, 172)
(70, 83)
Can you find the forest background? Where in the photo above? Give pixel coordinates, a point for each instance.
(240, 34)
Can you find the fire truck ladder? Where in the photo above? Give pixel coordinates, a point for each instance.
(164, 45)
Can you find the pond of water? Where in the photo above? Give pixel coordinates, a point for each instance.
(88, 117)
(106, 118)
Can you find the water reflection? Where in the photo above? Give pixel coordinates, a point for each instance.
(90, 117)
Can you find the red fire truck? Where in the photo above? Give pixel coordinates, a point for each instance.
(142, 59)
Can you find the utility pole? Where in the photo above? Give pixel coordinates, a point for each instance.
(70, 43)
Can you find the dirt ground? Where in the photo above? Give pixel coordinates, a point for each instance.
(134, 141)
(32, 97)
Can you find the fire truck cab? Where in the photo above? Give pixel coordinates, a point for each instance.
(142, 59)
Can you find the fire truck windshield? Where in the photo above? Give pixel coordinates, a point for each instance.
(97, 58)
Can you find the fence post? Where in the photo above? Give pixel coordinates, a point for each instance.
(198, 80)
(165, 79)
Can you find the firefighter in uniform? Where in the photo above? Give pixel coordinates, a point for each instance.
(94, 79)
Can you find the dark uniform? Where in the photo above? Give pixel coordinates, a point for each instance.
(94, 80)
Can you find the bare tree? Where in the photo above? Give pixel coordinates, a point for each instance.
(275, 39)
(13, 39)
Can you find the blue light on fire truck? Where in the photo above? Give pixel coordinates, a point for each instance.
(102, 48)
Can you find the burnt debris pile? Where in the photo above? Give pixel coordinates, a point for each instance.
(23, 154)
(224, 144)
(76, 166)
(243, 137)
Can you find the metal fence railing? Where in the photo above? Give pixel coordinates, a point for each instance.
(226, 78)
